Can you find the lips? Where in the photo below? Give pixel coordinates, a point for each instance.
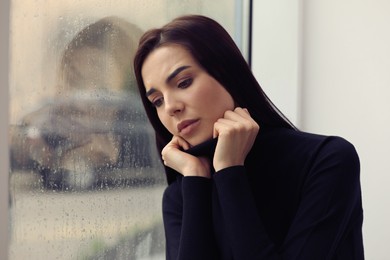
(186, 123)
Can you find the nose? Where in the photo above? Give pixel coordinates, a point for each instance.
(173, 105)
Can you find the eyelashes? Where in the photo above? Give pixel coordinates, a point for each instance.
(183, 84)
(157, 102)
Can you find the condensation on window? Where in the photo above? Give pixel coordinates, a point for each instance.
(86, 181)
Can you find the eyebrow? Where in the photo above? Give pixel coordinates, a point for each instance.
(175, 72)
(169, 78)
(150, 92)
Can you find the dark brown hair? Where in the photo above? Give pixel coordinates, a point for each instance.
(213, 48)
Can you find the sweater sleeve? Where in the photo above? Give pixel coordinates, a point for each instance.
(187, 214)
(329, 206)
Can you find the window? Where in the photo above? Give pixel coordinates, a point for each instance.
(85, 178)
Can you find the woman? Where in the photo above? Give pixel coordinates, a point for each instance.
(244, 183)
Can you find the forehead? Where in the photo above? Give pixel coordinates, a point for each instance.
(163, 61)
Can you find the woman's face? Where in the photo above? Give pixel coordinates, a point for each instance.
(187, 99)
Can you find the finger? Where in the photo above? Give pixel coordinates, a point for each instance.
(179, 141)
(238, 118)
(222, 125)
(242, 112)
(236, 115)
(240, 108)
(235, 118)
(246, 111)
(226, 128)
(238, 124)
(215, 131)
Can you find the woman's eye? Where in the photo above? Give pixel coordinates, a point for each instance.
(157, 102)
(185, 83)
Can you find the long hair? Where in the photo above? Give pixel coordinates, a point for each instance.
(213, 48)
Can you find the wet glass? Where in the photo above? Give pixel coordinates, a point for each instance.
(85, 177)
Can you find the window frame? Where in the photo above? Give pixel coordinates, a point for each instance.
(4, 162)
(242, 9)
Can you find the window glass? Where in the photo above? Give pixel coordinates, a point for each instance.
(85, 179)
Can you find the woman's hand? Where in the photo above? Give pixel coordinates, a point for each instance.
(236, 133)
(182, 162)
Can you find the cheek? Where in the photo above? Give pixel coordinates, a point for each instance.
(164, 119)
(213, 104)
(220, 99)
(208, 94)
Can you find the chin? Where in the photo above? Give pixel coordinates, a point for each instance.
(196, 141)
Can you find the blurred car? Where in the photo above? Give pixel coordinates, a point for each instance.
(86, 141)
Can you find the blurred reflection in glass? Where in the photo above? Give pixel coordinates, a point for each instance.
(84, 183)
(94, 132)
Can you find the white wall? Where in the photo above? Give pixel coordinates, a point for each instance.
(343, 87)
(275, 52)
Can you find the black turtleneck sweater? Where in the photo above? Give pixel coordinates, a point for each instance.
(297, 197)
